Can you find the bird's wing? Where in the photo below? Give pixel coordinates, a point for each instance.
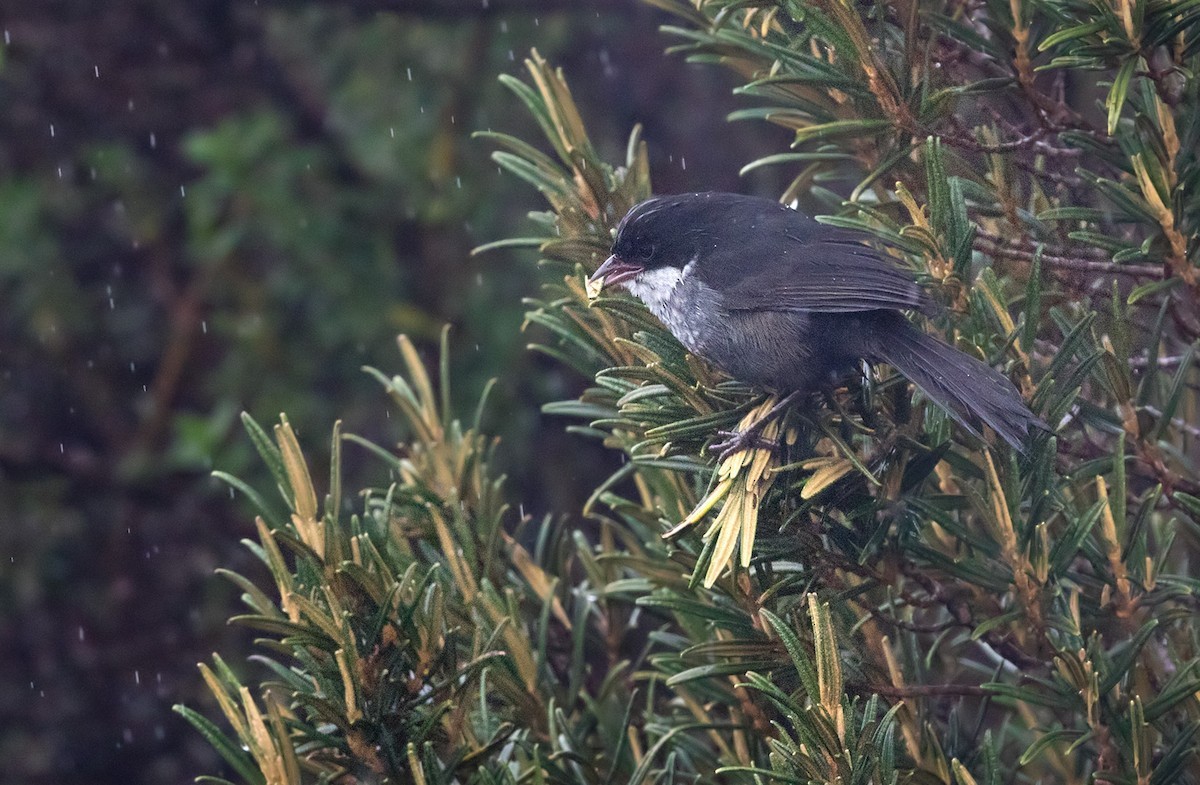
(836, 276)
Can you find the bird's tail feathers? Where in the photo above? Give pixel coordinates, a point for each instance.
(967, 389)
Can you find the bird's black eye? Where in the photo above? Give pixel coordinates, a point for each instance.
(644, 249)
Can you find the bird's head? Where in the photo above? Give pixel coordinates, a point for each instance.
(658, 234)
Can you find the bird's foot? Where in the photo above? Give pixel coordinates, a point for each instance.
(734, 442)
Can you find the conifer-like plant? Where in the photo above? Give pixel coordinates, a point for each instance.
(882, 598)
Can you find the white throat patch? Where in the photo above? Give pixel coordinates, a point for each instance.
(654, 288)
(657, 288)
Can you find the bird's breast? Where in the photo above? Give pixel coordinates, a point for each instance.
(685, 306)
(778, 350)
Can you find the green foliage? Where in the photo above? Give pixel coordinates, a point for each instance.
(909, 605)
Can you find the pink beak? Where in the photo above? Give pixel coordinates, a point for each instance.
(615, 270)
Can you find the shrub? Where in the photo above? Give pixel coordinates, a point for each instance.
(888, 599)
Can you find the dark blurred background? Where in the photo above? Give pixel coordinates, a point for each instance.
(214, 206)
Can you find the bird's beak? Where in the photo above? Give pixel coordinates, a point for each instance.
(615, 270)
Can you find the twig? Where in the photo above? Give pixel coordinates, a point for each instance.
(1020, 143)
(1054, 252)
(1163, 362)
(1149, 463)
(920, 690)
(1070, 263)
(1178, 423)
(960, 610)
(911, 627)
(1033, 141)
(1058, 178)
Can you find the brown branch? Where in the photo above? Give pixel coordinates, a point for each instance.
(996, 239)
(185, 311)
(960, 609)
(912, 627)
(988, 246)
(1150, 464)
(1175, 421)
(919, 690)
(1058, 178)
(1162, 362)
(1030, 141)
(1055, 115)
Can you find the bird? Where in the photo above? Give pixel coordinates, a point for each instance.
(783, 302)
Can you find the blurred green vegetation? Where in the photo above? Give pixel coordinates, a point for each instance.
(213, 207)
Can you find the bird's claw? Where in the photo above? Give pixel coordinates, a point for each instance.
(734, 442)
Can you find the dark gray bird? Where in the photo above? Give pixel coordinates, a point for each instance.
(783, 302)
